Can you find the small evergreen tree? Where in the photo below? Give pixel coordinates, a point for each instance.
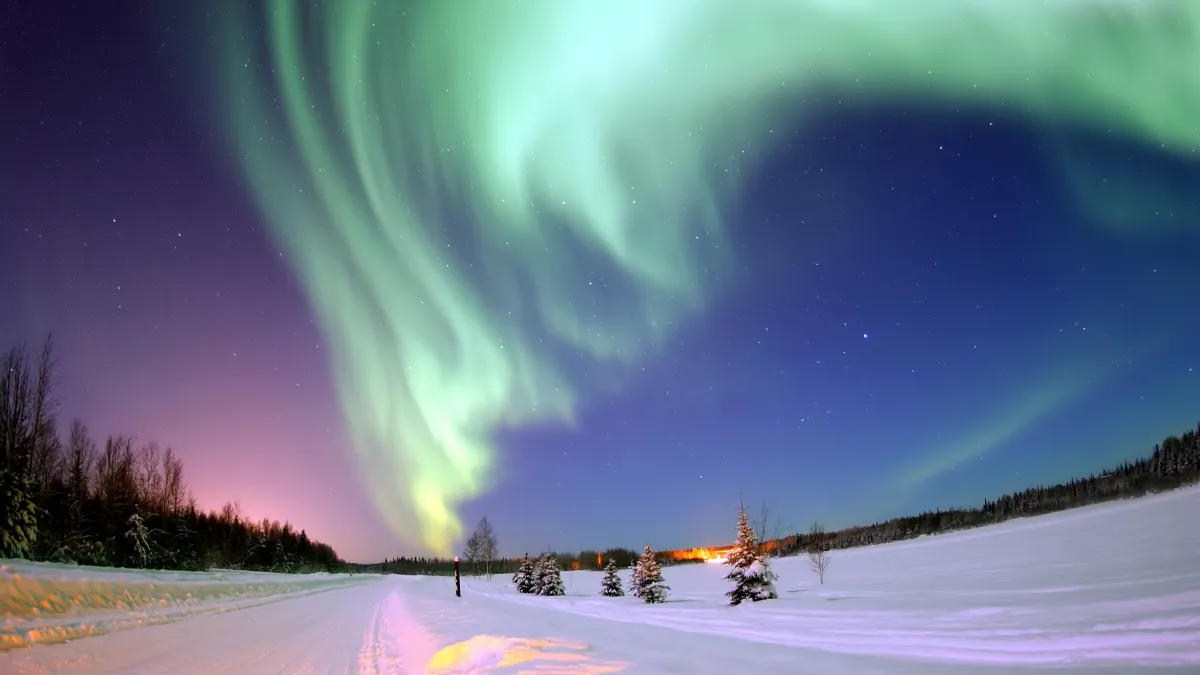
(139, 535)
(548, 579)
(281, 560)
(647, 581)
(611, 588)
(524, 577)
(751, 575)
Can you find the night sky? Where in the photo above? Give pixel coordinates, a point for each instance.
(884, 296)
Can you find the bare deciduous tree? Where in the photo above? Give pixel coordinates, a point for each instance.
(471, 552)
(26, 406)
(81, 453)
(231, 512)
(116, 473)
(490, 545)
(26, 414)
(46, 465)
(173, 488)
(149, 479)
(481, 545)
(769, 528)
(818, 550)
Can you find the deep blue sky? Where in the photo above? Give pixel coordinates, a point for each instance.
(925, 314)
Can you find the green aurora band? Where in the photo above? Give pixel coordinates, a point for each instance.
(558, 137)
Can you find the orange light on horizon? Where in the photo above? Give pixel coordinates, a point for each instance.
(716, 553)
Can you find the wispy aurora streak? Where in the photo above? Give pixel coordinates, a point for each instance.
(554, 137)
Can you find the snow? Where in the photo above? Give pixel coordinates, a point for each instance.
(1113, 588)
(755, 569)
(46, 602)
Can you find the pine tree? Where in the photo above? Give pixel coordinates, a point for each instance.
(281, 562)
(611, 587)
(539, 571)
(647, 579)
(139, 535)
(548, 579)
(751, 575)
(524, 577)
(18, 524)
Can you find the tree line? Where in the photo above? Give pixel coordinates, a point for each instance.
(481, 556)
(435, 566)
(66, 498)
(1171, 464)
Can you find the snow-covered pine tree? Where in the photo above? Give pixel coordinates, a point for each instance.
(281, 561)
(18, 514)
(542, 574)
(535, 577)
(647, 579)
(524, 577)
(611, 587)
(549, 580)
(139, 535)
(751, 575)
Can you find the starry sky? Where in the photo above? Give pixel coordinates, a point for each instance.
(597, 270)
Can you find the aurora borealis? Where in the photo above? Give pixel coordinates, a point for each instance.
(518, 224)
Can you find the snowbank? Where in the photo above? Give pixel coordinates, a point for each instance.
(48, 602)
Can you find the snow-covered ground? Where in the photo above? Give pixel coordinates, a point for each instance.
(47, 603)
(1109, 589)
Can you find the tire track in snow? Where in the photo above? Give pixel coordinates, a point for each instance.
(396, 642)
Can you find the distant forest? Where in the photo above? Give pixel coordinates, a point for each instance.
(429, 566)
(1171, 464)
(63, 498)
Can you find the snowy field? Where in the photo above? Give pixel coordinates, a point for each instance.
(1108, 589)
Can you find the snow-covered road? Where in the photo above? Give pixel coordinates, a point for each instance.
(394, 625)
(397, 625)
(1108, 589)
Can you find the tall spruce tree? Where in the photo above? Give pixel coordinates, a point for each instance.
(647, 581)
(611, 587)
(751, 575)
(535, 577)
(524, 577)
(548, 579)
(18, 514)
